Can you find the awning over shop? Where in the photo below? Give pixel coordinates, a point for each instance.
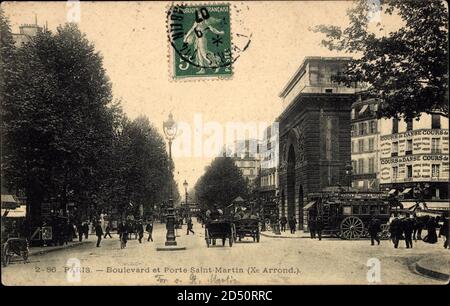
(9, 202)
(407, 190)
(392, 191)
(309, 205)
(428, 205)
(19, 212)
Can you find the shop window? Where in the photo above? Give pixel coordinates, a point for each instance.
(435, 170)
(361, 145)
(435, 145)
(394, 172)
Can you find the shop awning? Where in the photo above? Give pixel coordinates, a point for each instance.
(443, 206)
(392, 191)
(407, 190)
(9, 202)
(19, 212)
(309, 205)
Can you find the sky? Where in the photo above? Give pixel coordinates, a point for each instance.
(131, 36)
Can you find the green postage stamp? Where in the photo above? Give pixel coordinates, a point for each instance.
(200, 41)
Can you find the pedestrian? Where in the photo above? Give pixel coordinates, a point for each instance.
(292, 224)
(149, 230)
(443, 231)
(395, 229)
(140, 231)
(431, 226)
(86, 230)
(312, 227)
(190, 227)
(108, 231)
(408, 228)
(374, 229)
(419, 224)
(80, 231)
(98, 233)
(283, 222)
(123, 234)
(319, 227)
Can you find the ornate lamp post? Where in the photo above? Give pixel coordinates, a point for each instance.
(185, 185)
(170, 131)
(348, 173)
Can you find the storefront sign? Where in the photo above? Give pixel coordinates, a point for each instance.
(424, 132)
(413, 158)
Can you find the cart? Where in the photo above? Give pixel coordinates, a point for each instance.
(14, 247)
(247, 228)
(347, 214)
(219, 229)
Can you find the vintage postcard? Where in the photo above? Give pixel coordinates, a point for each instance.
(176, 143)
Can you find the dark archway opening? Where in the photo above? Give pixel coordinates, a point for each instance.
(291, 182)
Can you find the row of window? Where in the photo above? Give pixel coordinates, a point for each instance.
(435, 124)
(435, 146)
(362, 166)
(435, 171)
(364, 128)
(363, 145)
(268, 180)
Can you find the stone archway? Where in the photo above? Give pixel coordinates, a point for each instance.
(291, 182)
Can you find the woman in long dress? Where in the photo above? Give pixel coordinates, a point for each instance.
(197, 36)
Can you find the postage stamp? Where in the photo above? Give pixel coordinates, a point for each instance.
(200, 41)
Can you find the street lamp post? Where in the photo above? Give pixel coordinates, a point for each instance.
(170, 131)
(185, 184)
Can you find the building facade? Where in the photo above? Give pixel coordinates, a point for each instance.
(269, 157)
(415, 153)
(314, 133)
(26, 32)
(365, 134)
(245, 155)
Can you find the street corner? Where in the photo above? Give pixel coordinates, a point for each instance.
(437, 267)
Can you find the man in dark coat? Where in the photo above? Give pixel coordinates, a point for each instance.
(190, 227)
(98, 233)
(312, 227)
(443, 231)
(283, 222)
(140, 231)
(80, 230)
(319, 227)
(292, 224)
(396, 231)
(408, 228)
(86, 230)
(149, 230)
(108, 230)
(374, 228)
(123, 234)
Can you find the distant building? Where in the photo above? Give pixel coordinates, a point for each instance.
(26, 31)
(365, 134)
(245, 154)
(269, 151)
(415, 152)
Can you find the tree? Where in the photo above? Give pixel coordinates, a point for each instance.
(407, 68)
(221, 183)
(57, 119)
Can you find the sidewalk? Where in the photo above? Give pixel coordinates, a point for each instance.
(286, 234)
(436, 267)
(43, 250)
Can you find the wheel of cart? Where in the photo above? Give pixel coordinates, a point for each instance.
(385, 233)
(351, 228)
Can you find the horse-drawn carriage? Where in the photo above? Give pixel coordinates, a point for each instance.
(247, 228)
(219, 229)
(347, 214)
